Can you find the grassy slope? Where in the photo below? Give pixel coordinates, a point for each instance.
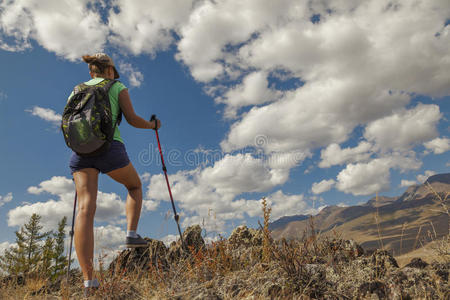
(402, 226)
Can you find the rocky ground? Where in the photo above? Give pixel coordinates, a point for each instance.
(250, 265)
(246, 267)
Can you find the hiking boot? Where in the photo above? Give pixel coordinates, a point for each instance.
(136, 242)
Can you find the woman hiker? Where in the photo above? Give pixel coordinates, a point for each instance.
(115, 163)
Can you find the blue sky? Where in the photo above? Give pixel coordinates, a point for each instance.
(306, 104)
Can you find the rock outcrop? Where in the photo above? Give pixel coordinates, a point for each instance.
(157, 255)
(234, 268)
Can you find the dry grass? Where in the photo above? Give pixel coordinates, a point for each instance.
(254, 266)
(377, 221)
(442, 246)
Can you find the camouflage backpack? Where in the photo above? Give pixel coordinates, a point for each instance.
(87, 119)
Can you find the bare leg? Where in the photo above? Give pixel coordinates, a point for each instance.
(86, 182)
(130, 179)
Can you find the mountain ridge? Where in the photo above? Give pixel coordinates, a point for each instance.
(400, 223)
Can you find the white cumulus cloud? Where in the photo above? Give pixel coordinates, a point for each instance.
(360, 65)
(51, 211)
(282, 205)
(364, 178)
(57, 185)
(405, 128)
(150, 205)
(110, 207)
(407, 183)
(54, 24)
(209, 195)
(312, 116)
(46, 114)
(335, 155)
(438, 145)
(373, 176)
(322, 186)
(135, 77)
(221, 24)
(109, 241)
(421, 178)
(144, 26)
(5, 199)
(254, 90)
(240, 173)
(357, 68)
(287, 205)
(109, 238)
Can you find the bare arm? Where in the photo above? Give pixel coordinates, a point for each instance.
(128, 111)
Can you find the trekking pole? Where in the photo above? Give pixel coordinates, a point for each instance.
(176, 216)
(71, 237)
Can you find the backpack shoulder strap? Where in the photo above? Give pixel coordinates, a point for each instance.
(79, 88)
(107, 84)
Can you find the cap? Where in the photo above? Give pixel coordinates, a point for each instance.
(104, 58)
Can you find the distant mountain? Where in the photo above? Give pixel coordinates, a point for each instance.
(442, 178)
(438, 182)
(381, 201)
(283, 221)
(404, 223)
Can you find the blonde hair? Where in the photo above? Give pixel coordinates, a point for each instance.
(96, 65)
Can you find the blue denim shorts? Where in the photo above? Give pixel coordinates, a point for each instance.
(115, 158)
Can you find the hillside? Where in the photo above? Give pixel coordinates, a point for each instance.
(283, 221)
(405, 223)
(248, 265)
